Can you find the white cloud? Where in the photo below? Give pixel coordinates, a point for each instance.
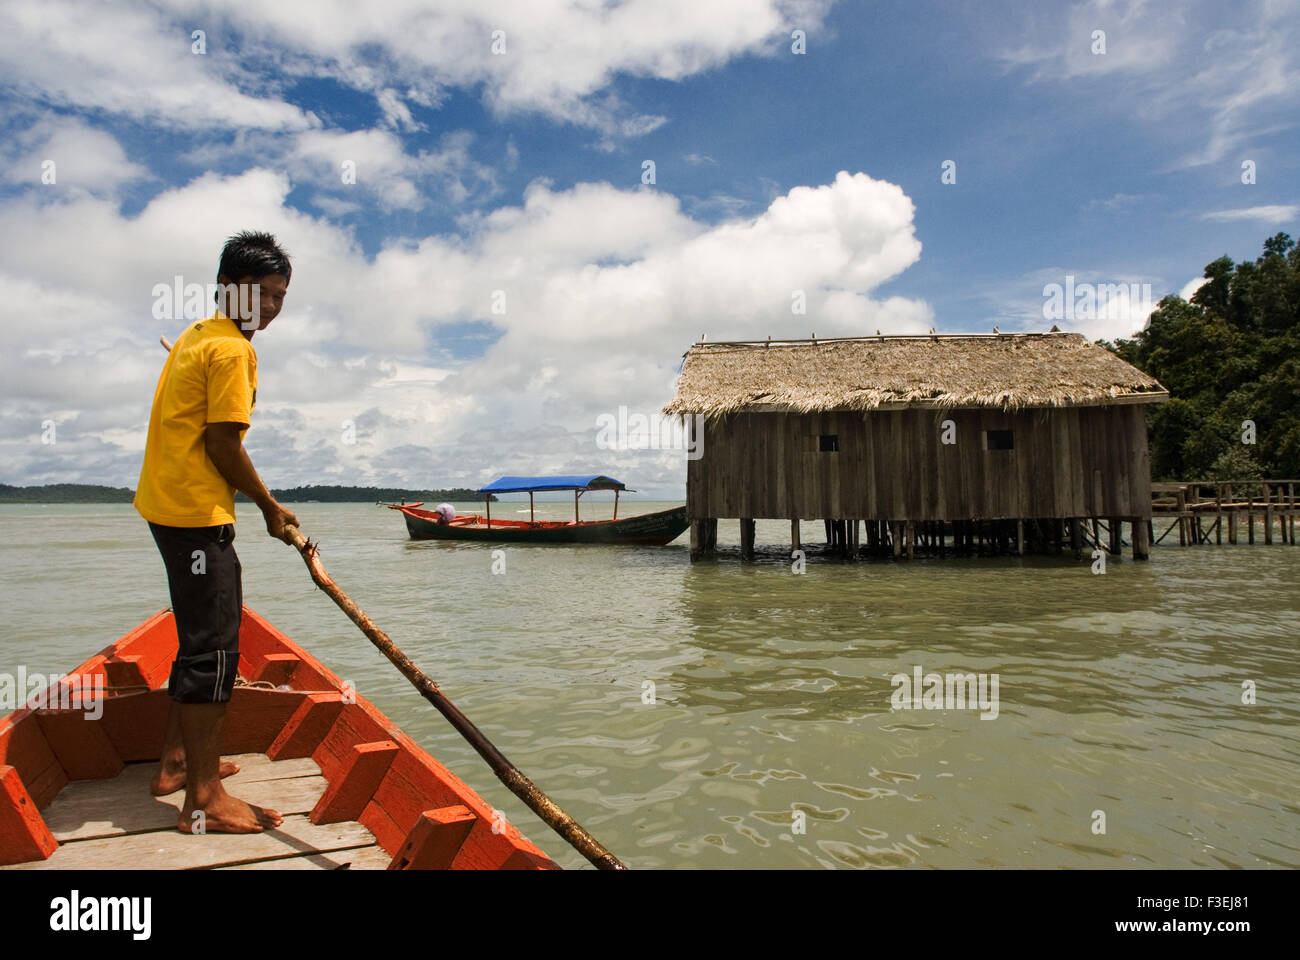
(134, 61)
(1096, 303)
(559, 58)
(604, 290)
(1191, 286)
(83, 159)
(380, 168)
(1226, 88)
(1276, 213)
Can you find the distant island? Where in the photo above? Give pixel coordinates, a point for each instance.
(326, 494)
(92, 493)
(65, 493)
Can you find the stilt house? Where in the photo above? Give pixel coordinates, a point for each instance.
(1022, 438)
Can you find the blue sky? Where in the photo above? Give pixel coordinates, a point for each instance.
(514, 179)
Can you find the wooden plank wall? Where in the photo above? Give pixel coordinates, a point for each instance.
(892, 465)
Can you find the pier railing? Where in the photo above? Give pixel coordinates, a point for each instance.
(1205, 509)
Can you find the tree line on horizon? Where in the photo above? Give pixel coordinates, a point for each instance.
(1230, 358)
(94, 493)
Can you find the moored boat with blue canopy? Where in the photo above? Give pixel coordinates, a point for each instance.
(650, 529)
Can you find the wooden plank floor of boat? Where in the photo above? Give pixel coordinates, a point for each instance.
(117, 825)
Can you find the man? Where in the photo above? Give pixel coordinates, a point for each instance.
(194, 462)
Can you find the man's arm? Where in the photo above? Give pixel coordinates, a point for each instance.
(227, 452)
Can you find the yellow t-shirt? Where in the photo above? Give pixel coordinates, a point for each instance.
(210, 377)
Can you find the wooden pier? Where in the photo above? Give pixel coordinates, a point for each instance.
(1215, 511)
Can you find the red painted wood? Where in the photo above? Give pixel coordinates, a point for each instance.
(354, 725)
(125, 672)
(82, 747)
(435, 839)
(153, 643)
(256, 717)
(23, 833)
(350, 792)
(135, 724)
(410, 788)
(23, 746)
(277, 668)
(388, 834)
(302, 733)
(311, 718)
(488, 850)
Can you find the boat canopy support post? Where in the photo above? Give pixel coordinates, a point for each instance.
(531, 517)
(616, 504)
(576, 495)
(487, 505)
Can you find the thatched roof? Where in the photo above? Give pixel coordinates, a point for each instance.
(1003, 370)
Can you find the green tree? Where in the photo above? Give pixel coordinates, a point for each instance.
(1228, 356)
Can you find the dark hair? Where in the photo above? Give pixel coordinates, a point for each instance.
(253, 253)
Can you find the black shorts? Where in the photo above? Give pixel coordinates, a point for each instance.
(207, 591)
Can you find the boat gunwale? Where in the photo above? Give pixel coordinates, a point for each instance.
(139, 645)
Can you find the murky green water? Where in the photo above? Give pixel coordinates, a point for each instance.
(1119, 693)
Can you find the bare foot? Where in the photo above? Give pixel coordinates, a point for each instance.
(227, 814)
(167, 780)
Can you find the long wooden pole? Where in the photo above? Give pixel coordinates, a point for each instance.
(507, 772)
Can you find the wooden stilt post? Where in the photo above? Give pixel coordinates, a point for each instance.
(1232, 516)
(896, 537)
(794, 535)
(1218, 509)
(1141, 539)
(911, 539)
(1076, 536)
(1116, 535)
(697, 539)
(1268, 516)
(1250, 519)
(746, 539)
